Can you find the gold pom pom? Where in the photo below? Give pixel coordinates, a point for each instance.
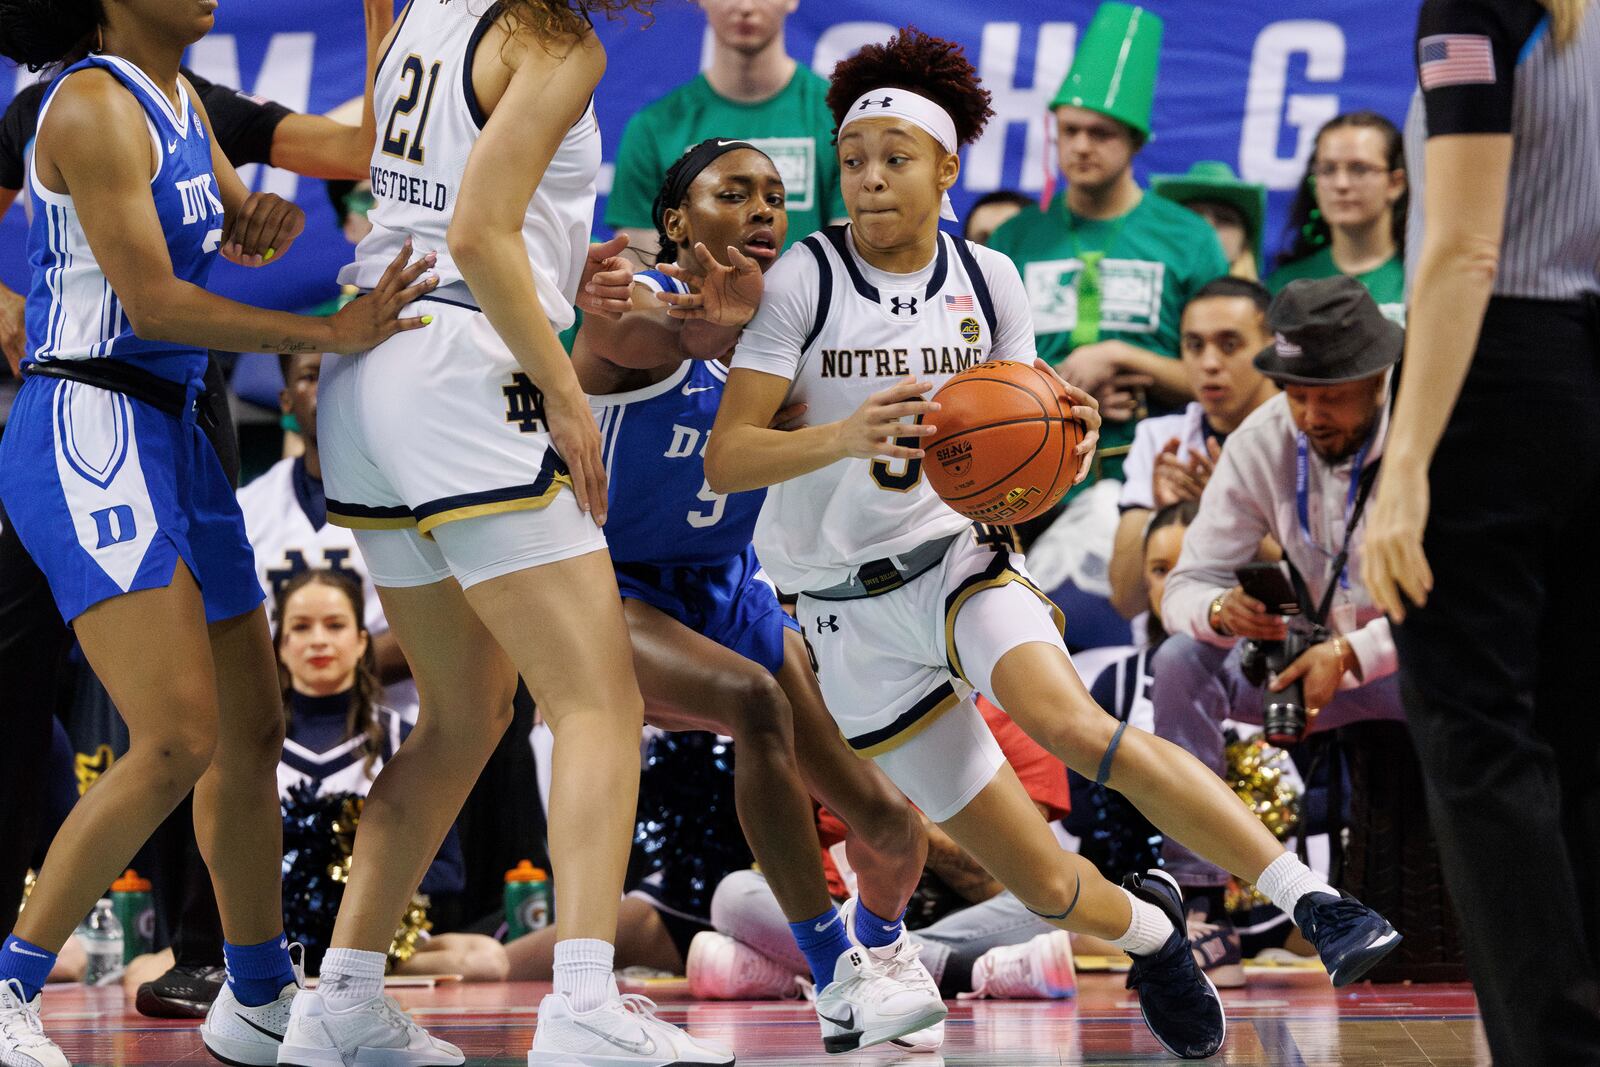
(1256, 771)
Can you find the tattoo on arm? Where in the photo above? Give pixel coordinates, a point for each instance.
(288, 346)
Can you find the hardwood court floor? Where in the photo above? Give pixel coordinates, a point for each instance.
(1280, 1020)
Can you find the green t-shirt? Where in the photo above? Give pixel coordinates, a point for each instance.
(795, 128)
(1386, 283)
(1156, 257)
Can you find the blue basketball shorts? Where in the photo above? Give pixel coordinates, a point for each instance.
(108, 493)
(731, 603)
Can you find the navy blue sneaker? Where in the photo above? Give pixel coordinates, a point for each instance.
(1350, 937)
(1178, 1001)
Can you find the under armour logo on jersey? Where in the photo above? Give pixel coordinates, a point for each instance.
(829, 623)
(869, 102)
(906, 305)
(524, 404)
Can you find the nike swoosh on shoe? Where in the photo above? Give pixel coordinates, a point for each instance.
(258, 1028)
(646, 1047)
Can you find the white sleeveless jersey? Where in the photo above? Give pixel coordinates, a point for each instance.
(840, 330)
(428, 120)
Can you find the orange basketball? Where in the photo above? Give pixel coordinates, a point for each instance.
(1003, 452)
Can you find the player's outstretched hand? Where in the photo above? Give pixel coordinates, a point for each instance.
(262, 230)
(871, 432)
(372, 318)
(721, 295)
(577, 441)
(1087, 411)
(606, 286)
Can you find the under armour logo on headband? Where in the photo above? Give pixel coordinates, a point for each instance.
(885, 102)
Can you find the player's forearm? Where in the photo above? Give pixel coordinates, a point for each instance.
(319, 147)
(181, 313)
(706, 340)
(744, 457)
(494, 264)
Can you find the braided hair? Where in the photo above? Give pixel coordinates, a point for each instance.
(43, 33)
(362, 719)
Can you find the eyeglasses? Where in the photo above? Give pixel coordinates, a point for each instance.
(1358, 172)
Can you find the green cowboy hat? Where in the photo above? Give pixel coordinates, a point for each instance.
(1114, 69)
(1214, 180)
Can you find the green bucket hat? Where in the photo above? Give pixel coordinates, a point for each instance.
(1214, 180)
(1114, 69)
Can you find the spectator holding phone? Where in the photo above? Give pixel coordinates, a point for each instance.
(1298, 471)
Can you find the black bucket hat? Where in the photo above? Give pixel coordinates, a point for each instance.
(1328, 330)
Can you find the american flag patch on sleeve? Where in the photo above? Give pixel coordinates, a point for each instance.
(1455, 59)
(961, 304)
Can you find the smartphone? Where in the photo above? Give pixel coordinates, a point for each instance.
(1270, 584)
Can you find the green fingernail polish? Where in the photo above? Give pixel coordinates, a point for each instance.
(427, 320)
(270, 253)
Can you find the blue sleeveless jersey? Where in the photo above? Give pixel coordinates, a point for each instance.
(662, 512)
(72, 312)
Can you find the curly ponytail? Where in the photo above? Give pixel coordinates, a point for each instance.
(42, 33)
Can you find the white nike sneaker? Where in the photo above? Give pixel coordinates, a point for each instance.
(622, 1032)
(902, 962)
(1038, 969)
(244, 1036)
(864, 1006)
(374, 1033)
(22, 1040)
(720, 968)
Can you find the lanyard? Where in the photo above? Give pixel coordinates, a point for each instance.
(1355, 497)
(1086, 327)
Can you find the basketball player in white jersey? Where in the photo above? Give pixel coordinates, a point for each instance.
(470, 468)
(909, 607)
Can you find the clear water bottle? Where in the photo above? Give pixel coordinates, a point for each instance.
(101, 935)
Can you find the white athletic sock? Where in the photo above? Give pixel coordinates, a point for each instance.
(583, 971)
(350, 976)
(1286, 880)
(1148, 931)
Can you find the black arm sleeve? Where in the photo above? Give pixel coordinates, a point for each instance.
(1461, 92)
(244, 124)
(16, 130)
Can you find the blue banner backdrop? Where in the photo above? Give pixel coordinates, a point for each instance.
(1240, 81)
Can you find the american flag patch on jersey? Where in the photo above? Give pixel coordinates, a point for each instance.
(1455, 59)
(960, 304)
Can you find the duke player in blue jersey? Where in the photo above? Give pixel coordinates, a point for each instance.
(712, 647)
(117, 495)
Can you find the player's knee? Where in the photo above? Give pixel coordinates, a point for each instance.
(1075, 735)
(887, 824)
(181, 752)
(758, 710)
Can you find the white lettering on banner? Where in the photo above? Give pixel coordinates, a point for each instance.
(1268, 103)
(845, 39)
(984, 165)
(285, 76)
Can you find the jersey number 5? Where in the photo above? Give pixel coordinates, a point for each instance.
(910, 472)
(395, 141)
(701, 519)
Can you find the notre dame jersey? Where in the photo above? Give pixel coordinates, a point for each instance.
(841, 330)
(428, 120)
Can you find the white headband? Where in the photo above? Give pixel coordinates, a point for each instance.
(917, 110)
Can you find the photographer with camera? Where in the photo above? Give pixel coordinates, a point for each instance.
(1298, 643)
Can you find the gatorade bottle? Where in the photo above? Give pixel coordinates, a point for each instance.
(527, 900)
(132, 904)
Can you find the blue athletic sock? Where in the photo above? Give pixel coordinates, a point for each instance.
(27, 963)
(823, 941)
(258, 973)
(875, 932)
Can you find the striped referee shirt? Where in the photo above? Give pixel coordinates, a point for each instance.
(1492, 66)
